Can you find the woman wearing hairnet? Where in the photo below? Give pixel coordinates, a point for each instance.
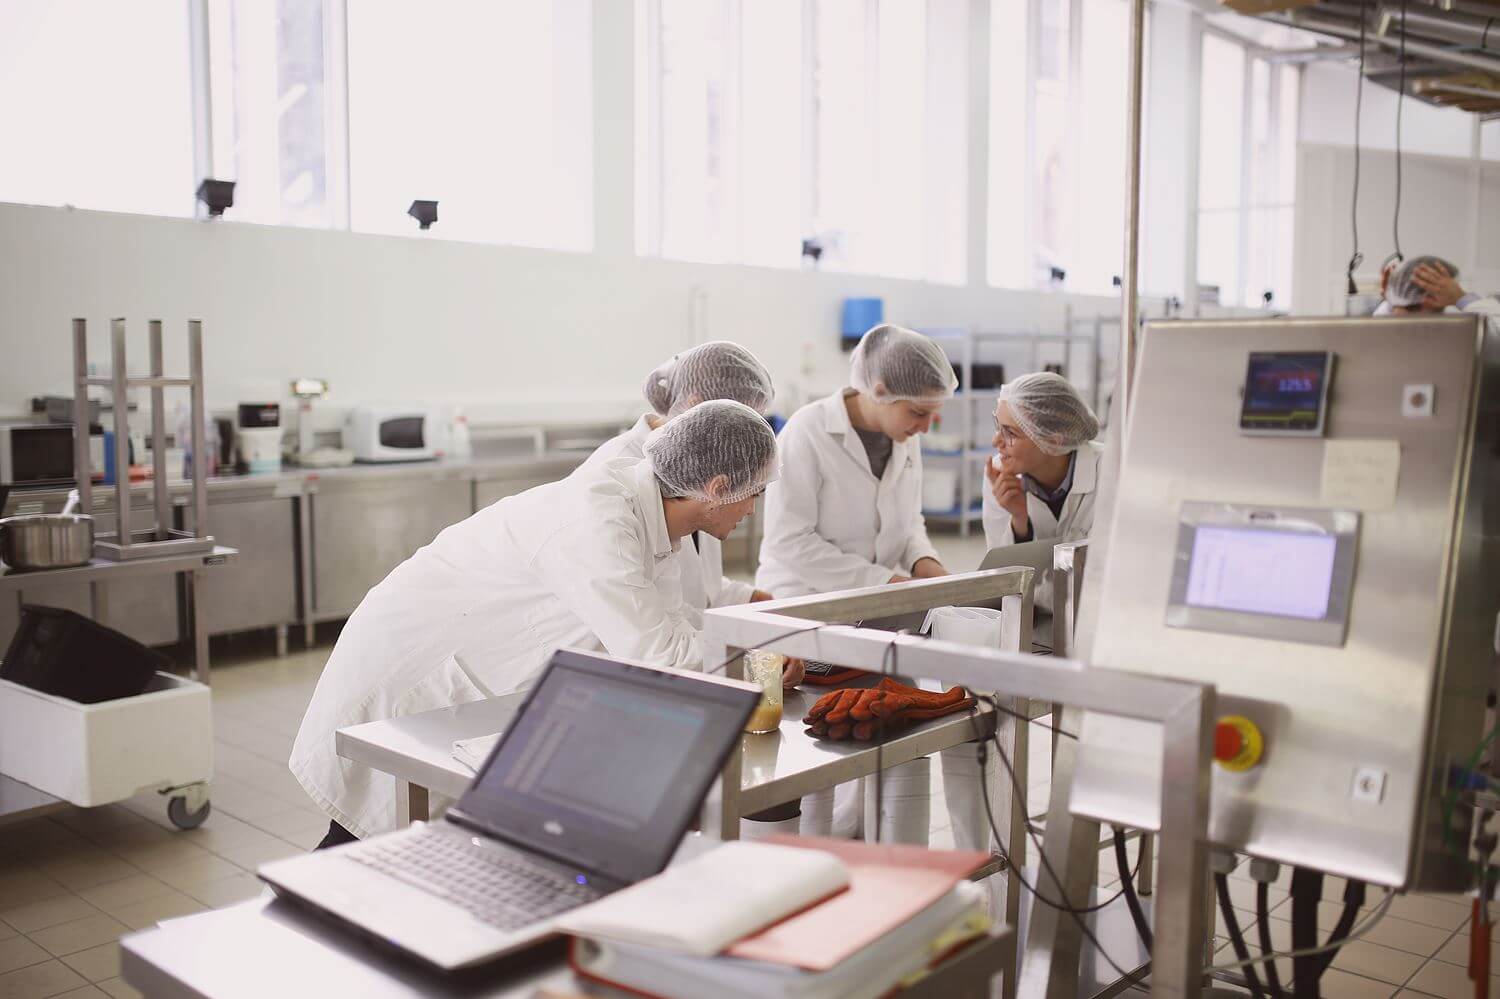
(715, 370)
(1041, 487)
(584, 562)
(1043, 474)
(846, 512)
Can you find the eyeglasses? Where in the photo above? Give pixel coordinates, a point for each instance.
(1010, 435)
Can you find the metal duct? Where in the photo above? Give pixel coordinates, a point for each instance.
(1438, 53)
(1483, 33)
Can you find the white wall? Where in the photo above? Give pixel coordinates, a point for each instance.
(1450, 188)
(510, 333)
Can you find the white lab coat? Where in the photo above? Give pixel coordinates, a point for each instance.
(704, 584)
(1074, 524)
(584, 562)
(830, 524)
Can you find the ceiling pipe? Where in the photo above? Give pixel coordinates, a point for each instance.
(1452, 28)
(1438, 87)
(1321, 53)
(1485, 64)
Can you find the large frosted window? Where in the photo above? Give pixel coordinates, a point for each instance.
(765, 124)
(96, 106)
(1246, 176)
(483, 107)
(271, 119)
(1057, 143)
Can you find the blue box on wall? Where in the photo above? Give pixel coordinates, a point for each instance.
(858, 315)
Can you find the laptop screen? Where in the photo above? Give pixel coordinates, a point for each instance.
(607, 763)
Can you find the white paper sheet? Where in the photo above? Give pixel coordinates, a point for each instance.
(1361, 475)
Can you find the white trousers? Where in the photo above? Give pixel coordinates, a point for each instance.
(849, 810)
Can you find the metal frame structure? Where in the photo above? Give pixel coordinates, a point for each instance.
(1184, 710)
(163, 538)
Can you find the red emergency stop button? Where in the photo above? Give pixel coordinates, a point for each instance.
(1237, 743)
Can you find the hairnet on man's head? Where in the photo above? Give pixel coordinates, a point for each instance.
(1049, 410)
(715, 370)
(714, 438)
(895, 364)
(1402, 289)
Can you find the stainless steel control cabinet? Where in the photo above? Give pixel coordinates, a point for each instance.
(1361, 730)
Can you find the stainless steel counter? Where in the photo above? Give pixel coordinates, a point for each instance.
(308, 537)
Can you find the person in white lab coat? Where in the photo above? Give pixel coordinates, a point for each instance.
(714, 370)
(1041, 486)
(584, 562)
(1043, 475)
(1430, 284)
(847, 512)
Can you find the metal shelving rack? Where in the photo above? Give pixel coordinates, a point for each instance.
(1084, 334)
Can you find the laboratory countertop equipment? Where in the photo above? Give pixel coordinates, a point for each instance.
(1307, 519)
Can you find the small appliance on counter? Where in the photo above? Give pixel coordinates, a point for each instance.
(309, 454)
(36, 455)
(389, 433)
(258, 432)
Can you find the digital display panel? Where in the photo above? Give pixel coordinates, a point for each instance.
(1279, 573)
(1286, 393)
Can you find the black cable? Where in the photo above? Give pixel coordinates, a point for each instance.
(1307, 892)
(1400, 101)
(774, 638)
(980, 742)
(1027, 718)
(1354, 900)
(1046, 864)
(1484, 39)
(1236, 937)
(1357, 257)
(1132, 901)
(1263, 930)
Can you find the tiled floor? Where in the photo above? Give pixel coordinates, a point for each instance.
(73, 882)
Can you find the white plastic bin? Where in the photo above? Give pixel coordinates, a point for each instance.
(95, 754)
(939, 489)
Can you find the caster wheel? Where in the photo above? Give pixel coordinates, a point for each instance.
(177, 811)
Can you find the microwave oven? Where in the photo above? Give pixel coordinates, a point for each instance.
(34, 455)
(393, 433)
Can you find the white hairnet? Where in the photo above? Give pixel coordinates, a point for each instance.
(714, 438)
(1051, 412)
(715, 370)
(1402, 288)
(895, 364)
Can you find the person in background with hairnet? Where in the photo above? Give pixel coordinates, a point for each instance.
(1045, 467)
(1041, 481)
(585, 562)
(1429, 284)
(847, 512)
(716, 370)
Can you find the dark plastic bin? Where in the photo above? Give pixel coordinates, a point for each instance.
(65, 654)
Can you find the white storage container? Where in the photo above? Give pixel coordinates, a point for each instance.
(95, 754)
(939, 489)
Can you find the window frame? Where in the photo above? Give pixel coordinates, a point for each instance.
(1251, 200)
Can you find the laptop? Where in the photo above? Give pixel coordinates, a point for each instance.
(590, 789)
(1032, 554)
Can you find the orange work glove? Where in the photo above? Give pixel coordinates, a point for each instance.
(861, 714)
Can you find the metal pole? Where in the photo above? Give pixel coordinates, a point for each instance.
(1129, 278)
(122, 436)
(159, 438)
(83, 470)
(200, 458)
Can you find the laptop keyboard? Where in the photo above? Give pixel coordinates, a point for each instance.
(499, 887)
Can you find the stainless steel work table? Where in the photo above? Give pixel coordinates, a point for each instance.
(267, 947)
(100, 571)
(779, 766)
